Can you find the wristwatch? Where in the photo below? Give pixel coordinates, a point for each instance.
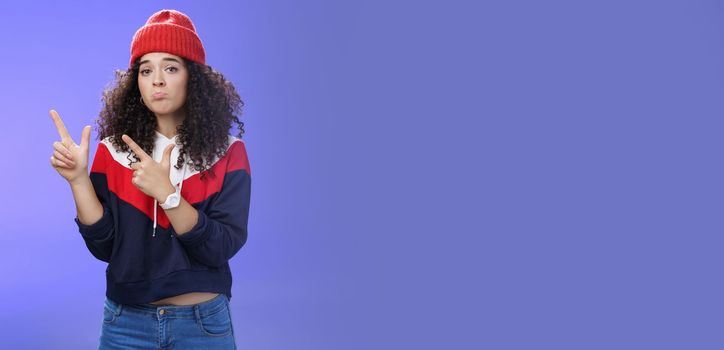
(172, 201)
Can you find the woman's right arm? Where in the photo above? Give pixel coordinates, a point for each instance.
(88, 208)
(70, 160)
(94, 220)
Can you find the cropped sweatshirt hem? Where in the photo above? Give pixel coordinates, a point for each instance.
(177, 282)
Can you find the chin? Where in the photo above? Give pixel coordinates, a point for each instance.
(163, 111)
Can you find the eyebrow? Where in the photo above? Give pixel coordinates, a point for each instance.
(164, 59)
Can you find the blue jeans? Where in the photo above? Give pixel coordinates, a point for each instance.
(205, 325)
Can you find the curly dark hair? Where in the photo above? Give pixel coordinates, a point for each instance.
(212, 105)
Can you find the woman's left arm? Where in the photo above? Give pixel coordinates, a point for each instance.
(215, 236)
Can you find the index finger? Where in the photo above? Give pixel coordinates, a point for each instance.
(135, 147)
(59, 125)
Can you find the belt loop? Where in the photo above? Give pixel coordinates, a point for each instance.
(196, 313)
(115, 306)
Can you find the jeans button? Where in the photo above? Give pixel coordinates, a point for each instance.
(162, 312)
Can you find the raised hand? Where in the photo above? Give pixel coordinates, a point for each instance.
(69, 159)
(149, 176)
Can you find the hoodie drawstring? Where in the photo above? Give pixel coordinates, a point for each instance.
(155, 211)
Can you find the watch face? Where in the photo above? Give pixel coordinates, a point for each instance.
(172, 201)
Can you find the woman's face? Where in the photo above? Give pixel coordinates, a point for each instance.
(162, 80)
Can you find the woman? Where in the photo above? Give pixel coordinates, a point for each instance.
(166, 203)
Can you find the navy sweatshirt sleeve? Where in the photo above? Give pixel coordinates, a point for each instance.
(99, 236)
(221, 229)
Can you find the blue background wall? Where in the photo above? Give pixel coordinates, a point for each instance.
(442, 175)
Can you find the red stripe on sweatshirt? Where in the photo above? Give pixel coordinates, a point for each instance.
(194, 189)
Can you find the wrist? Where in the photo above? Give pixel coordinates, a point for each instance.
(164, 194)
(80, 180)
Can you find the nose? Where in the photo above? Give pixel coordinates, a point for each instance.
(158, 79)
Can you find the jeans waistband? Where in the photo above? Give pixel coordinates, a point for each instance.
(204, 308)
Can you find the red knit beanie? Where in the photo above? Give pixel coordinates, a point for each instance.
(168, 31)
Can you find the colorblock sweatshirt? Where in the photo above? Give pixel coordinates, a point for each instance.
(147, 260)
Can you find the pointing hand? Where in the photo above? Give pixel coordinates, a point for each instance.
(149, 176)
(69, 159)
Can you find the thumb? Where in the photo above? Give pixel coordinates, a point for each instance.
(85, 136)
(166, 159)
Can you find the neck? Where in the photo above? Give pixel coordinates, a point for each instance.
(166, 124)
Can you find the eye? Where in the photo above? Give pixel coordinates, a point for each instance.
(145, 71)
(174, 69)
